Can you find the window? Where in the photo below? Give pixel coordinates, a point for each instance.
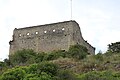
(63, 29)
(28, 33)
(36, 32)
(45, 31)
(20, 35)
(53, 30)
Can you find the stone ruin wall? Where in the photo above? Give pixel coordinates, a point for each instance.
(49, 37)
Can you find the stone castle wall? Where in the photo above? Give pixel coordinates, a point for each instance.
(49, 37)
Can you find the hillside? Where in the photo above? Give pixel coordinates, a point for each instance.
(74, 64)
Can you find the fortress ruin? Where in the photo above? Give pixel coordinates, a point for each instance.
(48, 37)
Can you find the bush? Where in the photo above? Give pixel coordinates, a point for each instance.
(104, 75)
(51, 56)
(41, 71)
(22, 57)
(14, 74)
(98, 57)
(40, 57)
(78, 51)
(55, 55)
(42, 76)
(66, 75)
(32, 69)
(48, 68)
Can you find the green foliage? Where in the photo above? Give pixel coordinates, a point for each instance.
(114, 47)
(104, 75)
(48, 68)
(13, 74)
(55, 55)
(22, 57)
(7, 62)
(40, 66)
(78, 52)
(42, 71)
(32, 69)
(40, 57)
(66, 75)
(42, 76)
(51, 56)
(1, 65)
(99, 57)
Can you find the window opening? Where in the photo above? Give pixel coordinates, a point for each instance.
(36, 32)
(53, 30)
(63, 29)
(28, 33)
(20, 35)
(45, 31)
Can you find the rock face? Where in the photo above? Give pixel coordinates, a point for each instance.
(48, 37)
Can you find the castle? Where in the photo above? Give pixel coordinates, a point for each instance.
(49, 37)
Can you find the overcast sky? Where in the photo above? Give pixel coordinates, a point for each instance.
(99, 20)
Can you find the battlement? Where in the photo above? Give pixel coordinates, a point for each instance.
(48, 37)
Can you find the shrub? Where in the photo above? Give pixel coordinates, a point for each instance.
(98, 57)
(42, 76)
(66, 75)
(48, 68)
(51, 56)
(104, 75)
(40, 57)
(33, 69)
(78, 51)
(14, 74)
(23, 57)
(55, 55)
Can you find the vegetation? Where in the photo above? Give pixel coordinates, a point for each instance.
(114, 47)
(103, 75)
(73, 64)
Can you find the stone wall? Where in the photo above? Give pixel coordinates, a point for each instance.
(49, 37)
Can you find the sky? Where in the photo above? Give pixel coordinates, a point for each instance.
(99, 20)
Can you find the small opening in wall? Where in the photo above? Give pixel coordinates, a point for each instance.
(65, 35)
(53, 30)
(63, 29)
(36, 32)
(45, 31)
(28, 33)
(20, 35)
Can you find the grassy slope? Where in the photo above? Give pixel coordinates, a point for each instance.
(98, 62)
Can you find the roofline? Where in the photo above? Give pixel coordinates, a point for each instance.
(45, 24)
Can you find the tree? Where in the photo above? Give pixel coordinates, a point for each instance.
(114, 47)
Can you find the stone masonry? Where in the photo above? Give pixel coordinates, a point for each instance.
(48, 37)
